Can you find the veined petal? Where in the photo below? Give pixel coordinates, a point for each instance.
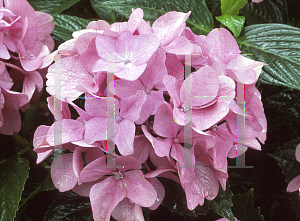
(138, 189)
(105, 196)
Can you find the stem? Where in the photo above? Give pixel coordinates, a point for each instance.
(25, 147)
(14, 57)
(15, 67)
(147, 167)
(2, 161)
(32, 194)
(286, 11)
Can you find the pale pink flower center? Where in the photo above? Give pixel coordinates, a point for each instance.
(176, 140)
(147, 91)
(118, 175)
(215, 127)
(184, 108)
(31, 57)
(118, 118)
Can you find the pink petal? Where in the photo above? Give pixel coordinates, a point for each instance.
(174, 66)
(84, 188)
(138, 189)
(71, 130)
(105, 45)
(124, 88)
(77, 161)
(130, 107)
(62, 173)
(92, 153)
(10, 112)
(4, 52)
(169, 26)
(32, 81)
(205, 85)
(222, 43)
(90, 56)
(96, 130)
(160, 190)
(98, 25)
(297, 153)
(294, 184)
(135, 19)
(161, 146)
(104, 197)
(73, 75)
(155, 71)
(95, 170)
(263, 135)
(39, 134)
(20, 7)
(164, 124)
(131, 72)
(124, 137)
(42, 156)
(160, 161)
(158, 171)
(207, 117)
(5, 79)
(180, 46)
(65, 111)
(245, 70)
(226, 89)
(144, 28)
(84, 40)
(127, 211)
(68, 48)
(124, 163)
(173, 87)
(147, 109)
(97, 106)
(141, 147)
(143, 48)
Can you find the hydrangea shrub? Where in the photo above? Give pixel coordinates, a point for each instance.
(149, 80)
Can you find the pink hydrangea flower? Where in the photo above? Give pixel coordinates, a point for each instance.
(120, 183)
(130, 54)
(149, 83)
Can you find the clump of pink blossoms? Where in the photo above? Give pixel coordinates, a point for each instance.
(25, 46)
(144, 110)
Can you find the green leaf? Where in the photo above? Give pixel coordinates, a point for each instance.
(30, 116)
(222, 203)
(177, 202)
(47, 183)
(52, 6)
(232, 7)
(214, 6)
(234, 22)
(243, 207)
(265, 12)
(277, 45)
(65, 25)
(200, 20)
(13, 174)
(105, 13)
(287, 100)
(285, 157)
(69, 206)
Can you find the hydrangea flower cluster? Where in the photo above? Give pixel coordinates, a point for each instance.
(143, 110)
(25, 46)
